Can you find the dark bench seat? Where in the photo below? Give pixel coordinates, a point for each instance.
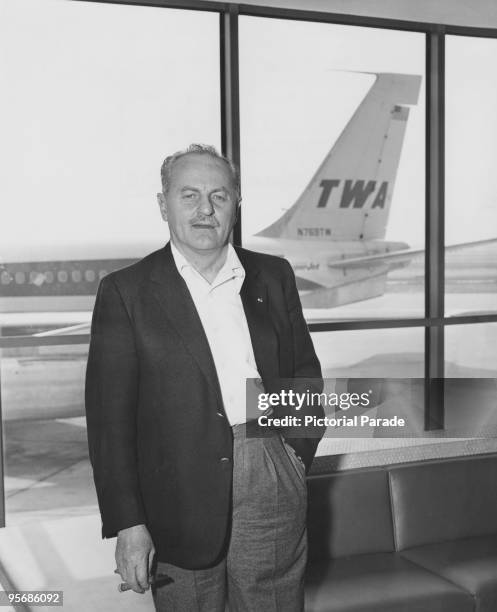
(383, 582)
(470, 563)
(413, 538)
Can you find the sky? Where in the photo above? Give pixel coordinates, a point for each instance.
(96, 95)
(471, 138)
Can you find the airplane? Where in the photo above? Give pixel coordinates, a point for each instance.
(333, 235)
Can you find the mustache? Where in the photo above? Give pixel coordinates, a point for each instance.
(204, 221)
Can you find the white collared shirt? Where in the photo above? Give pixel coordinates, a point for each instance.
(220, 309)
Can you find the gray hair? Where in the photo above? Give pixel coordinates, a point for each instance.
(167, 165)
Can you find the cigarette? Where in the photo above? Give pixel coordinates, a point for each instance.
(124, 586)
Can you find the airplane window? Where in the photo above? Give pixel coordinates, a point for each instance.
(90, 276)
(470, 177)
(5, 277)
(36, 278)
(62, 276)
(49, 276)
(330, 187)
(20, 278)
(101, 273)
(76, 276)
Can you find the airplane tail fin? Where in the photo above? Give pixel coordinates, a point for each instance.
(349, 196)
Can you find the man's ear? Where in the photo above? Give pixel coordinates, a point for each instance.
(161, 199)
(237, 213)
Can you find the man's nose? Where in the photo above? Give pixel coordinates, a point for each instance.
(205, 205)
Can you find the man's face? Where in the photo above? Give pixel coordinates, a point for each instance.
(201, 203)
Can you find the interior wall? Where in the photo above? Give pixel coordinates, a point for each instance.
(476, 13)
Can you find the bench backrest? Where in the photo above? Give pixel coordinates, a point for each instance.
(446, 500)
(348, 514)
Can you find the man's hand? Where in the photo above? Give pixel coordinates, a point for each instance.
(134, 556)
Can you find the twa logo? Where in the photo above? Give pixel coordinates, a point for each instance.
(354, 194)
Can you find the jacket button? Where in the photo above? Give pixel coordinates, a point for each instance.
(224, 459)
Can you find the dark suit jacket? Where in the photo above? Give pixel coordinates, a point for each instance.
(157, 429)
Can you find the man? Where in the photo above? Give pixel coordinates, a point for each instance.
(177, 473)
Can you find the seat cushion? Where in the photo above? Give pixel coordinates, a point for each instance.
(382, 582)
(470, 563)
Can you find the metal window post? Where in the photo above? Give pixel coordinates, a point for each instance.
(435, 236)
(230, 95)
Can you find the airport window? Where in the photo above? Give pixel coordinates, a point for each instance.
(326, 92)
(103, 120)
(470, 380)
(471, 351)
(361, 359)
(120, 85)
(470, 177)
(391, 353)
(87, 150)
(46, 470)
(308, 94)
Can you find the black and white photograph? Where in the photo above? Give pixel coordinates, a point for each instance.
(248, 305)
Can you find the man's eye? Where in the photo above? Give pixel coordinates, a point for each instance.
(220, 197)
(189, 196)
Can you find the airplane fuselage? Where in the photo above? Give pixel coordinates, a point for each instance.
(316, 263)
(70, 285)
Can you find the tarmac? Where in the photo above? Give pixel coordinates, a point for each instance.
(67, 555)
(52, 539)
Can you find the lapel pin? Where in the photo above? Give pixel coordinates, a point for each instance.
(259, 299)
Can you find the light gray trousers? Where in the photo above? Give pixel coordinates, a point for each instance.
(267, 553)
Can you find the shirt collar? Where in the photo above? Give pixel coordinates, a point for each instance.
(232, 267)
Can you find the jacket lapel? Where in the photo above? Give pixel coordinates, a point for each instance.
(255, 302)
(170, 290)
(172, 293)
